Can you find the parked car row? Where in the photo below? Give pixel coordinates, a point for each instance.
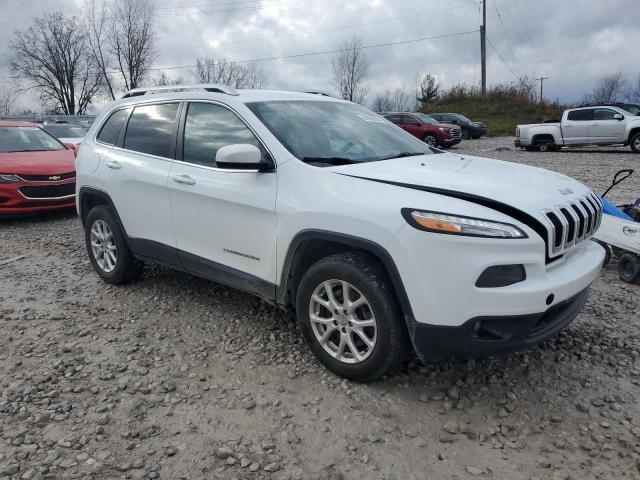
(437, 129)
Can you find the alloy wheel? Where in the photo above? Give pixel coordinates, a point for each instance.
(342, 321)
(103, 246)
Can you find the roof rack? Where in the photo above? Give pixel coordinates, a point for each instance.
(318, 92)
(209, 87)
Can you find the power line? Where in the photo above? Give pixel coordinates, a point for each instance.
(506, 36)
(503, 61)
(308, 54)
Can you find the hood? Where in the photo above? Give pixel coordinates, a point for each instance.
(37, 163)
(529, 189)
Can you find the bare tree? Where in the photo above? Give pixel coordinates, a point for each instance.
(8, 98)
(131, 39)
(52, 55)
(428, 90)
(236, 75)
(397, 101)
(634, 91)
(164, 80)
(96, 25)
(350, 68)
(608, 88)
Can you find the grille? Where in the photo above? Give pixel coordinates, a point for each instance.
(570, 223)
(48, 178)
(49, 191)
(455, 133)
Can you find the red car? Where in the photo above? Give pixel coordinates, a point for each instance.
(427, 128)
(37, 172)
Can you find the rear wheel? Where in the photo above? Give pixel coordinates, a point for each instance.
(547, 146)
(430, 140)
(350, 318)
(635, 142)
(107, 248)
(629, 268)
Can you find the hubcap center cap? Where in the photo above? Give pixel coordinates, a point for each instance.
(342, 320)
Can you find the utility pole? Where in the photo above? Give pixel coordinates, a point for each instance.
(483, 47)
(541, 80)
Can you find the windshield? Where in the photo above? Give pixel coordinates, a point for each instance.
(632, 109)
(27, 139)
(426, 118)
(316, 130)
(66, 131)
(462, 117)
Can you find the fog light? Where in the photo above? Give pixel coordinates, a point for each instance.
(501, 276)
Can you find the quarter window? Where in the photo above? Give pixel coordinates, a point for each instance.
(210, 127)
(151, 129)
(110, 131)
(580, 115)
(603, 114)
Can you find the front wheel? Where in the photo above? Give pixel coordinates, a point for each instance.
(465, 134)
(350, 318)
(629, 268)
(430, 140)
(635, 142)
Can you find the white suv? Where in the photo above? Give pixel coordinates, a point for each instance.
(378, 242)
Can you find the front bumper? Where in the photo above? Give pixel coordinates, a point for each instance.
(517, 143)
(36, 196)
(494, 335)
(450, 142)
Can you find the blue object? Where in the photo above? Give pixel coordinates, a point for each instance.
(610, 209)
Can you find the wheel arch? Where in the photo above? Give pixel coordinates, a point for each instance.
(541, 137)
(632, 132)
(309, 246)
(90, 197)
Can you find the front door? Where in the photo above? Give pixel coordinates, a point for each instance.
(605, 128)
(224, 219)
(575, 128)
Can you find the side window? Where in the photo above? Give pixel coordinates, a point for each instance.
(151, 129)
(580, 115)
(210, 127)
(603, 114)
(110, 131)
(397, 119)
(409, 120)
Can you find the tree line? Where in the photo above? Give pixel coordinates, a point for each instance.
(70, 61)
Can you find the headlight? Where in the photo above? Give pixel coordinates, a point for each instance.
(8, 178)
(445, 130)
(456, 225)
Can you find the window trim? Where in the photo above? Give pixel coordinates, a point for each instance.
(179, 153)
(592, 110)
(126, 120)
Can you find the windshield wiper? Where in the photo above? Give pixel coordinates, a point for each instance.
(331, 160)
(401, 155)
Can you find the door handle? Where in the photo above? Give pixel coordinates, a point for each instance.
(113, 165)
(183, 179)
(595, 124)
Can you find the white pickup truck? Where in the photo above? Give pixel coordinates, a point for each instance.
(605, 125)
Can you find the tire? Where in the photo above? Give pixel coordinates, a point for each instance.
(634, 142)
(629, 268)
(430, 140)
(547, 146)
(102, 234)
(607, 252)
(465, 134)
(365, 279)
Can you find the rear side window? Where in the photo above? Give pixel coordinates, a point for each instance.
(409, 120)
(151, 129)
(110, 131)
(397, 119)
(210, 127)
(580, 115)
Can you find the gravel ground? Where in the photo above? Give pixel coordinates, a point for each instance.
(174, 377)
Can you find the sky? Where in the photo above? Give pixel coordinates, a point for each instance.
(573, 42)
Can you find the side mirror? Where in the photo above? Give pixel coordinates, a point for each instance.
(618, 116)
(240, 156)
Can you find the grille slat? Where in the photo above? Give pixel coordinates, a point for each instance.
(572, 222)
(48, 191)
(48, 178)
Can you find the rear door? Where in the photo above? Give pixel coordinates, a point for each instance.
(137, 170)
(604, 128)
(575, 128)
(224, 219)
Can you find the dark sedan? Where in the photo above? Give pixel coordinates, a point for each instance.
(470, 129)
